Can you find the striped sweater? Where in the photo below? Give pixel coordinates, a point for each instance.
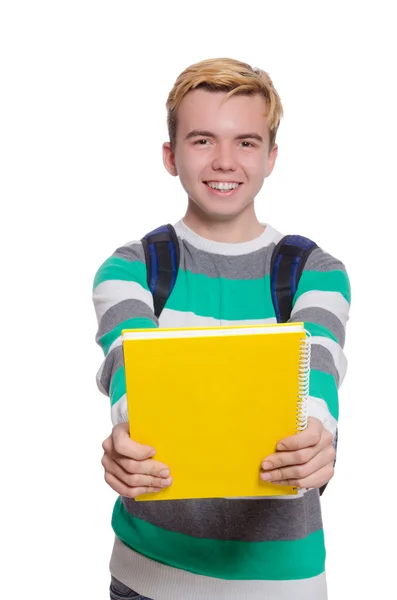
(214, 549)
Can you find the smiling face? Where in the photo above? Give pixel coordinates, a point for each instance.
(221, 152)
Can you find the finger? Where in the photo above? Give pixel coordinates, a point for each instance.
(301, 471)
(125, 446)
(107, 444)
(134, 479)
(284, 459)
(123, 490)
(143, 467)
(308, 437)
(315, 480)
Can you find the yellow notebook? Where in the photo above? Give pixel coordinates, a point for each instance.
(215, 401)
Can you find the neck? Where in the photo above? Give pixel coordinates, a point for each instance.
(233, 230)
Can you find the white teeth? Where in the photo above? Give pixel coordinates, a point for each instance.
(222, 185)
(217, 185)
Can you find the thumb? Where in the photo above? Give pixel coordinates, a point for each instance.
(127, 447)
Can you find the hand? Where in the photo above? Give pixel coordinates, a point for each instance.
(129, 469)
(304, 460)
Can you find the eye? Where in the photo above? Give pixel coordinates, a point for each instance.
(246, 144)
(201, 142)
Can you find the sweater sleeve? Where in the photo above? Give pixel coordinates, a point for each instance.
(322, 302)
(122, 300)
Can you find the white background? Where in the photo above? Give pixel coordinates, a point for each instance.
(84, 86)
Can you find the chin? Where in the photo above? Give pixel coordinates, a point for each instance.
(222, 213)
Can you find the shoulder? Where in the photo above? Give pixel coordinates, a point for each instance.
(325, 273)
(126, 263)
(319, 259)
(322, 261)
(130, 251)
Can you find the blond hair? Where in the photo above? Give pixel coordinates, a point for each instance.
(225, 75)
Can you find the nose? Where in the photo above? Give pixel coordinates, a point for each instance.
(224, 159)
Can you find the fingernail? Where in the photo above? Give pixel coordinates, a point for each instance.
(164, 473)
(166, 482)
(152, 453)
(266, 465)
(265, 476)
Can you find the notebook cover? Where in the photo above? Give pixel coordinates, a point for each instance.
(213, 408)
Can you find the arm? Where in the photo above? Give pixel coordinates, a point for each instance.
(322, 302)
(122, 300)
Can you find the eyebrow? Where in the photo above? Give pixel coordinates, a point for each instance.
(243, 136)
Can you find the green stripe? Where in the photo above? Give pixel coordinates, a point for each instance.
(116, 268)
(323, 385)
(320, 330)
(222, 298)
(117, 385)
(297, 559)
(138, 323)
(331, 281)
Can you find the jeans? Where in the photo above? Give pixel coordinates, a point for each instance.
(119, 591)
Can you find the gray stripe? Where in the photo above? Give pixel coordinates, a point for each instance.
(254, 265)
(113, 361)
(323, 317)
(132, 252)
(127, 309)
(248, 520)
(322, 261)
(248, 266)
(232, 267)
(322, 360)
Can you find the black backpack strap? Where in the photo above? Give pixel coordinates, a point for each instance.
(162, 255)
(288, 260)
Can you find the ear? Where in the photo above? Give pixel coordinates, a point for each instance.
(169, 159)
(271, 161)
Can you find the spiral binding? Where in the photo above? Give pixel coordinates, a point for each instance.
(304, 382)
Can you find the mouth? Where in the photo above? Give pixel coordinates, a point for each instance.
(223, 188)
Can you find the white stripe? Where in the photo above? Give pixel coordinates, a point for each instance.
(332, 301)
(337, 353)
(177, 318)
(119, 411)
(111, 292)
(156, 580)
(268, 236)
(318, 408)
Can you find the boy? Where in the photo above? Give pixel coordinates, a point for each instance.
(223, 118)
